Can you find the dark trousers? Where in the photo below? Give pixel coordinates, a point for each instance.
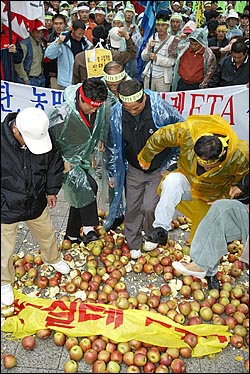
(86, 216)
(183, 86)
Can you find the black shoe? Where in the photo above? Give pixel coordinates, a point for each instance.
(158, 235)
(90, 237)
(213, 282)
(79, 240)
(117, 222)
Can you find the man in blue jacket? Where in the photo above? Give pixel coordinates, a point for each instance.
(65, 48)
(132, 120)
(31, 177)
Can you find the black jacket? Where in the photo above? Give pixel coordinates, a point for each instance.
(26, 178)
(244, 186)
(227, 74)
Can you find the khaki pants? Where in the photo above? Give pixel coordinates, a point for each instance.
(42, 230)
(54, 84)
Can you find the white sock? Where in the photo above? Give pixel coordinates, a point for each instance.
(71, 237)
(87, 229)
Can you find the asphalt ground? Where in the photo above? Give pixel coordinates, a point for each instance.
(46, 357)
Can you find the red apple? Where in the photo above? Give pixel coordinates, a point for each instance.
(90, 356)
(140, 359)
(9, 361)
(161, 369)
(28, 342)
(43, 333)
(99, 366)
(165, 359)
(99, 344)
(42, 281)
(178, 366)
(191, 339)
(70, 342)
(116, 356)
(185, 352)
(149, 367)
(237, 341)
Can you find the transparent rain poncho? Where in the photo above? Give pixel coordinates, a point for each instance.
(163, 113)
(77, 145)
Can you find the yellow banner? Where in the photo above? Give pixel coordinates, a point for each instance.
(84, 319)
(96, 59)
(200, 18)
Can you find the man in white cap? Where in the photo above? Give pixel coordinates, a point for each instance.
(31, 177)
(232, 24)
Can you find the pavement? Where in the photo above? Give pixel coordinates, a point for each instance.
(46, 357)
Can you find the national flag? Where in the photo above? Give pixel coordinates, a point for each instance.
(23, 15)
(200, 17)
(148, 24)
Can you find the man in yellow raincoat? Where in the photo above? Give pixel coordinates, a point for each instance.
(212, 159)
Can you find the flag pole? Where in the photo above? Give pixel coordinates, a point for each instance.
(152, 51)
(10, 38)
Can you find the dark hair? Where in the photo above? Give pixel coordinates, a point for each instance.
(130, 87)
(58, 15)
(208, 147)
(95, 89)
(163, 16)
(214, 14)
(212, 25)
(99, 32)
(239, 47)
(78, 24)
(113, 67)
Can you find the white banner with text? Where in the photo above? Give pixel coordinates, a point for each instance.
(231, 103)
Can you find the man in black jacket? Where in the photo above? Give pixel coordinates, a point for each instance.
(233, 69)
(31, 177)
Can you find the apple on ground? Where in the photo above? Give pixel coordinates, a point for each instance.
(76, 353)
(70, 366)
(9, 361)
(70, 342)
(59, 338)
(28, 342)
(178, 366)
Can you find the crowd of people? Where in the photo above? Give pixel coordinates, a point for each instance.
(153, 158)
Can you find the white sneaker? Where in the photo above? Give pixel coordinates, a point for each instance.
(135, 253)
(7, 295)
(61, 266)
(149, 246)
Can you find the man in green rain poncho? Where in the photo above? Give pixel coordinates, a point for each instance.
(78, 132)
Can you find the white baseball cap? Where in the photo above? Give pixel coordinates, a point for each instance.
(33, 124)
(115, 39)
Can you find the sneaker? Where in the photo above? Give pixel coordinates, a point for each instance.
(212, 282)
(135, 253)
(90, 237)
(62, 267)
(157, 236)
(7, 295)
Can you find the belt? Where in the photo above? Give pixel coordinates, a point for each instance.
(39, 76)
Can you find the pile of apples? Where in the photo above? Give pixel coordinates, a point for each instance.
(102, 279)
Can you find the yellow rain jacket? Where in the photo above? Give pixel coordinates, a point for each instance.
(213, 184)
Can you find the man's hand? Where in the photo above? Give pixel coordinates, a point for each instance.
(144, 165)
(234, 192)
(12, 48)
(61, 39)
(51, 199)
(111, 182)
